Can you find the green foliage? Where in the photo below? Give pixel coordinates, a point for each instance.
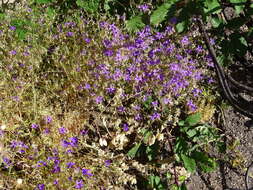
(193, 119)
(91, 6)
(159, 15)
(133, 151)
(135, 23)
(189, 146)
(156, 183)
(212, 7)
(189, 163)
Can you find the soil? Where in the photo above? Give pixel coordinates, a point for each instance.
(233, 164)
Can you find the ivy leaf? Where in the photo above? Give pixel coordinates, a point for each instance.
(133, 151)
(135, 23)
(193, 119)
(160, 13)
(189, 163)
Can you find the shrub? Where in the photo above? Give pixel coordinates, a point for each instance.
(80, 98)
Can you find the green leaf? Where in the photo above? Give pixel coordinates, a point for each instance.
(157, 180)
(2, 16)
(147, 103)
(183, 187)
(206, 164)
(216, 21)
(193, 119)
(243, 41)
(160, 13)
(212, 7)
(21, 34)
(146, 136)
(90, 6)
(151, 151)
(135, 23)
(181, 123)
(51, 12)
(191, 133)
(181, 26)
(132, 153)
(180, 145)
(189, 163)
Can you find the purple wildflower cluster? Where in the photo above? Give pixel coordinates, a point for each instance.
(19, 146)
(151, 63)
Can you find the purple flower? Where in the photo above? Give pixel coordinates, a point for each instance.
(47, 131)
(155, 103)
(13, 52)
(26, 53)
(70, 164)
(65, 143)
(21, 151)
(212, 41)
(155, 116)
(41, 163)
(108, 53)
(144, 8)
(56, 169)
(79, 184)
(62, 130)
(56, 182)
(191, 105)
(173, 20)
(41, 186)
(121, 108)
(111, 90)
(125, 127)
(107, 43)
(16, 98)
(7, 161)
(107, 163)
(87, 86)
(12, 28)
(69, 34)
(199, 49)
(99, 99)
(84, 132)
(196, 91)
(166, 101)
(87, 172)
(138, 117)
(73, 141)
(34, 126)
(48, 119)
(87, 40)
(185, 40)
